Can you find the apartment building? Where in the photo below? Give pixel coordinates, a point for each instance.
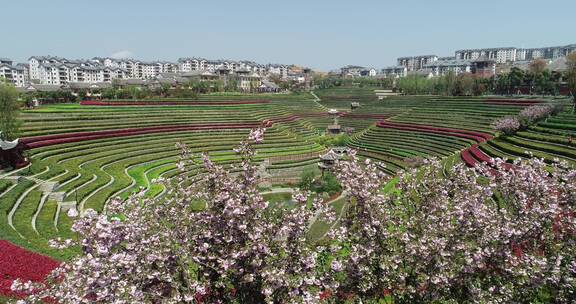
(15, 74)
(553, 52)
(231, 66)
(512, 54)
(139, 69)
(53, 70)
(394, 71)
(500, 55)
(415, 63)
(278, 69)
(442, 67)
(247, 81)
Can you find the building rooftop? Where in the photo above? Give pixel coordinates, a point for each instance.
(42, 87)
(453, 62)
(395, 67)
(483, 58)
(418, 56)
(487, 49)
(269, 84)
(85, 85)
(330, 156)
(197, 73)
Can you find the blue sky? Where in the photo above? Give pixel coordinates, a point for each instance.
(321, 34)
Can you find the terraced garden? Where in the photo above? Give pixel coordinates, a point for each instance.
(552, 139)
(84, 154)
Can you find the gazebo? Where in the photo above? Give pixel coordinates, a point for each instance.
(333, 129)
(328, 160)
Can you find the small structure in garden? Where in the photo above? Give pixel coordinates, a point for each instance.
(328, 160)
(12, 154)
(340, 150)
(354, 105)
(335, 127)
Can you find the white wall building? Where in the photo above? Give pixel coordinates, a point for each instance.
(278, 69)
(500, 55)
(415, 63)
(16, 74)
(201, 64)
(552, 53)
(442, 67)
(511, 54)
(394, 72)
(59, 71)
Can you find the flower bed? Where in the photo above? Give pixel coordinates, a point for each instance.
(476, 136)
(479, 155)
(16, 262)
(48, 140)
(170, 103)
(513, 102)
(374, 116)
(471, 156)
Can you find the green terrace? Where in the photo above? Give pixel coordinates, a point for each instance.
(89, 172)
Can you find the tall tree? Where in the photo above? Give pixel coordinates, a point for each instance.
(537, 66)
(9, 110)
(571, 77)
(537, 75)
(516, 77)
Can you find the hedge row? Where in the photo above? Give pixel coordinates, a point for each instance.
(170, 103)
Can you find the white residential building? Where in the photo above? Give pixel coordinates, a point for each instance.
(201, 64)
(351, 71)
(398, 71)
(415, 63)
(59, 71)
(512, 54)
(553, 52)
(442, 67)
(278, 69)
(247, 80)
(139, 69)
(16, 74)
(369, 72)
(500, 55)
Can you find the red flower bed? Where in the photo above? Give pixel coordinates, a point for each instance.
(513, 102)
(373, 116)
(48, 140)
(471, 156)
(271, 121)
(468, 159)
(171, 103)
(479, 155)
(56, 139)
(16, 262)
(476, 136)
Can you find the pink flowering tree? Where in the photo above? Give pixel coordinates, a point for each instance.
(506, 125)
(533, 114)
(528, 116)
(217, 241)
(474, 236)
(477, 235)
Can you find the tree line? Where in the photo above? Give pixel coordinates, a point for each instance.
(536, 80)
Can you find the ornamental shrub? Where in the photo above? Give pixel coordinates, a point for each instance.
(507, 125)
